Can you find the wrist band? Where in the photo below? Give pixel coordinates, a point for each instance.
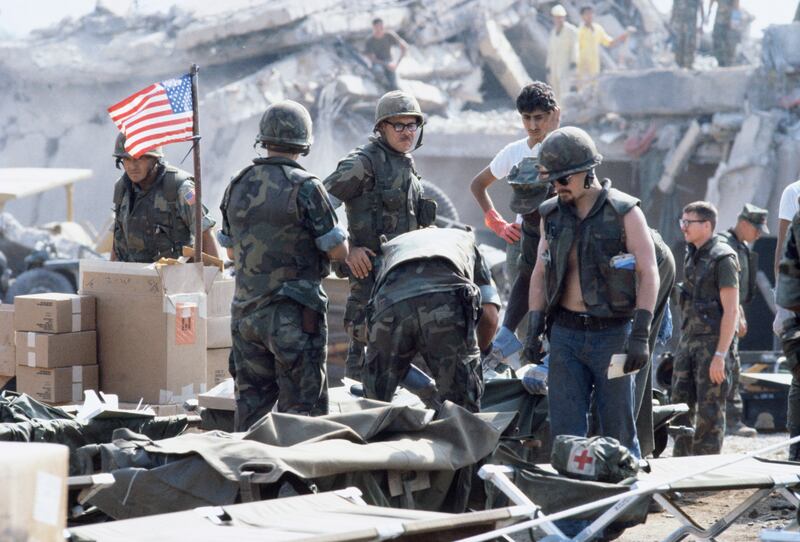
(720, 354)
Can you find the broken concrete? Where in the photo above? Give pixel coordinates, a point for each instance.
(672, 92)
(676, 161)
(748, 175)
(499, 55)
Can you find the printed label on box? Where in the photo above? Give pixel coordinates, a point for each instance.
(185, 323)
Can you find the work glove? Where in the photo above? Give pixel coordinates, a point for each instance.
(505, 343)
(534, 377)
(510, 233)
(533, 342)
(638, 348)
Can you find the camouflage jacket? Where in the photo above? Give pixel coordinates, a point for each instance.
(748, 265)
(787, 289)
(279, 222)
(157, 222)
(608, 292)
(706, 269)
(428, 261)
(381, 192)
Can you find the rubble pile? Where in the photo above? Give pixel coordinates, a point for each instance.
(678, 133)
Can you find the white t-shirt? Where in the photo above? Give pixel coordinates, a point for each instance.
(789, 201)
(511, 155)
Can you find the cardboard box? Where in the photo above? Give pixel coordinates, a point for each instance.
(59, 385)
(54, 313)
(8, 355)
(33, 491)
(218, 330)
(152, 328)
(220, 397)
(217, 366)
(220, 296)
(51, 350)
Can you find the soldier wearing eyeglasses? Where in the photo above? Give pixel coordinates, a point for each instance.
(709, 301)
(382, 195)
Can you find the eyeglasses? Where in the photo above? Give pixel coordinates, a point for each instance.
(684, 223)
(400, 126)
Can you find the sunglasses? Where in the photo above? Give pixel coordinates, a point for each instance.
(400, 126)
(563, 181)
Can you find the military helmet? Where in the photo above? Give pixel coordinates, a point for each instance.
(528, 191)
(120, 152)
(566, 151)
(396, 103)
(286, 123)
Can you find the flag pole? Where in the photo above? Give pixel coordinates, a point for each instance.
(198, 185)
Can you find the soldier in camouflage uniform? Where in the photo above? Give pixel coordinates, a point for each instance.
(751, 224)
(154, 209)
(709, 300)
(382, 195)
(280, 230)
(428, 296)
(787, 295)
(595, 272)
(684, 31)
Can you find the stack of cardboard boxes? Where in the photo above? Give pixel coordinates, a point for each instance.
(55, 346)
(220, 296)
(8, 356)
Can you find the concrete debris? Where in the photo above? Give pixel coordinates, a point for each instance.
(499, 55)
(677, 159)
(748, 175)
(780, 48)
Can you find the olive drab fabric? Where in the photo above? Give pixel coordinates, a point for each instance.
(566, 151)
(273, 211)
(599, 459)
(156, 223)
(607, 292)
(455, 246)
(396, 103)
(286, 123)
(699, 292)
(528, 191)
(748, 265)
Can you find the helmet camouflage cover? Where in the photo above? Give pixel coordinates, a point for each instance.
(566, 151)
(397, 103)
(286, 123)
(120, 152)
(528, 191)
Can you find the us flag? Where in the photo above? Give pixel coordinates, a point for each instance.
(156, 115)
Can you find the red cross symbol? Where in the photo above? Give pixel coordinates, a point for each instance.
(583, 459)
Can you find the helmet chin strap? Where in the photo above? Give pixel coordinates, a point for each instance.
(587, 182)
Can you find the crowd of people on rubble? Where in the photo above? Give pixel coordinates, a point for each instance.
(588, 275)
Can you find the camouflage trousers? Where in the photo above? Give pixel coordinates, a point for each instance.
(691, 384)
(723, 36)
(684, 30)
(441, 328)
(511, 268)
(278, 355)
(355, 324)
(733, 402)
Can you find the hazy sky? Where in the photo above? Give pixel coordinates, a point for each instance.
(18, 17)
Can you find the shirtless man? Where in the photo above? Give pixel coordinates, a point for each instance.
(596, 271)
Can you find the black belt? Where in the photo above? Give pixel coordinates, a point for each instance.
(582, 321)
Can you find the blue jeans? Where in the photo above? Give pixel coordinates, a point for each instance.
(579, 365)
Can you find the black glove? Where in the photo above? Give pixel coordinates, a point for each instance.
(638, 348)
(533, 342)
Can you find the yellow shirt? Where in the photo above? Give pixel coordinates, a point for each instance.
(589, 42)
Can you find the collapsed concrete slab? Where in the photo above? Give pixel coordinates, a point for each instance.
(748, 175)
(671, 92)
(501, 58)
(780, 48)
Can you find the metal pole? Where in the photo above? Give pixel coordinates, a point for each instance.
(198, 184)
